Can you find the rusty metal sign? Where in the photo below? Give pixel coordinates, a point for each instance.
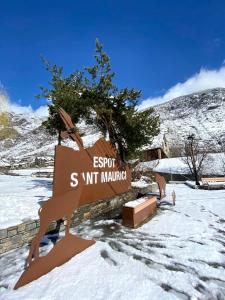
(80, 177)
(161, 184)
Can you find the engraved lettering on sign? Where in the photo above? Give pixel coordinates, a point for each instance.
(99, 177)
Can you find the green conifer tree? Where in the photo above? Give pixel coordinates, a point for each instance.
(63, 92)
(115, 110)
(92, 96)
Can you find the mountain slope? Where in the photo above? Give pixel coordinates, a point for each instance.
(201, 113)
(26, 142)
(32, 144)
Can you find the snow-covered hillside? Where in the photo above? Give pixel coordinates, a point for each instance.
(30, 141)
(201, 113)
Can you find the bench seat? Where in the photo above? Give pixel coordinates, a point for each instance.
(213, 180)
(138, 211)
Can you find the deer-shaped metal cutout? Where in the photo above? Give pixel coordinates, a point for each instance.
(80, 177)
(174, 198)
(161, 184)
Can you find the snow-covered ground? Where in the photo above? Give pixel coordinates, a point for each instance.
(21, 197)
(179, 254)
(30, 171)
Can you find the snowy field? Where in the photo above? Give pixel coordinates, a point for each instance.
(179, 254)
(21, 197)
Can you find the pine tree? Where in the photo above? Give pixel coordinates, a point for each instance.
(116, 110)
(92, 96)
(63, 92)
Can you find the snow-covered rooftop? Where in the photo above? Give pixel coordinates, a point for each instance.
(214, 164)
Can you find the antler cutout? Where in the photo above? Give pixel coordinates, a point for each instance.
(71, 130)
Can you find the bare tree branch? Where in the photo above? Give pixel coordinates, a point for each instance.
(194, 156)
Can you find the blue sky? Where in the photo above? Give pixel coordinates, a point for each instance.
(153, 45)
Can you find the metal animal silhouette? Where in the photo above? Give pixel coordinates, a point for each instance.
(80, 177)
(161, 184)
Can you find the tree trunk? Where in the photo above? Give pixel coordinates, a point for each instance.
(113, 139)
(194, 165)
(121, 151)
(59, 137)
(196, 177)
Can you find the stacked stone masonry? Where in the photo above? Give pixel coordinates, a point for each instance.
(17, 236)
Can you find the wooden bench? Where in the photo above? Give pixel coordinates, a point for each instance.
(137, 211)
(213, 180)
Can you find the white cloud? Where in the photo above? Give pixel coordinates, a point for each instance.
(3, 100)
(7, 105)
(205, 79)
(41, 112)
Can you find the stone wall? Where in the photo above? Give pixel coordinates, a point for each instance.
(17, 236)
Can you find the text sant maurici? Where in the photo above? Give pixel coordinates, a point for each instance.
(102, 176)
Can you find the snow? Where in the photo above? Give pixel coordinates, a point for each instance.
(166, 165)
(172, 165)
(214, 164)
(191, 184)
(144, 181)
(29, 172)
(139, 184)
(179, 254)
(179, 118)
(189, 114)
(136, 202)
(32, 140)
(221, 184)
(21, 197)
